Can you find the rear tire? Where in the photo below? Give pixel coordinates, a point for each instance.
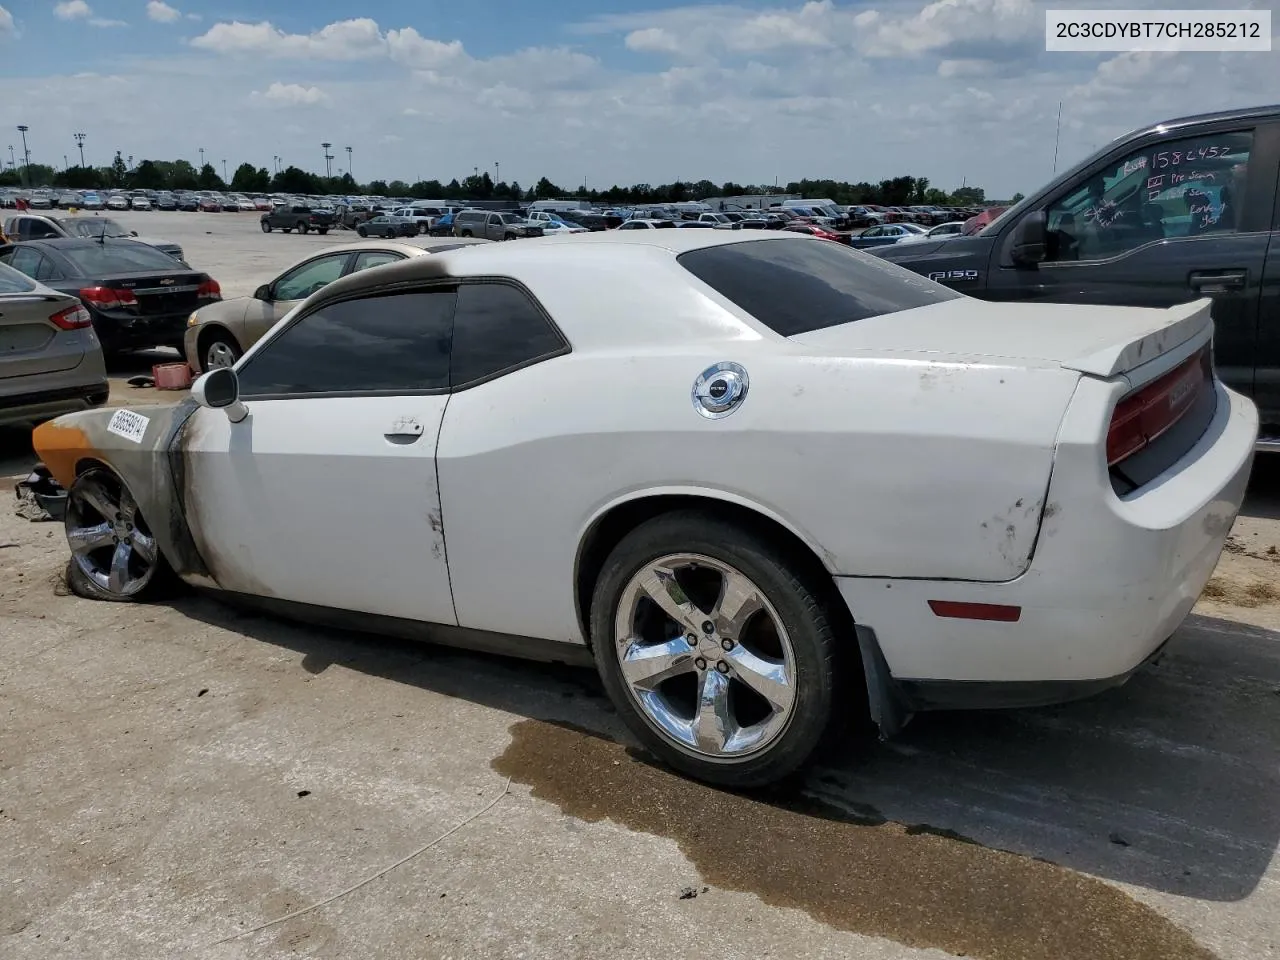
(266, 227)
(114, 554)
(302, 228)
(744, 704)
(362, 231)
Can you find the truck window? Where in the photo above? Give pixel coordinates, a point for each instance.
(1178, 188)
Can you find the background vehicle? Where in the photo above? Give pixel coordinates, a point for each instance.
(50, 361)
(386, 225)
(297, 216)
(719, 585)
(491, 225)
(647, 224)
(885, 234)
(421, 216)
(1164, 215)
(40, 227)
(553, 223)
(117, 202)
(140, 203)
(135, 295)
(217, 334)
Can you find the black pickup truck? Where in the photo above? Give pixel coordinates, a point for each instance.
(1170, 213)
(297, 216)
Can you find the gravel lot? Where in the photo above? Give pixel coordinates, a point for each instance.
(174, 775)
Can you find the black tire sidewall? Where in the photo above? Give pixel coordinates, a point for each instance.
(799, 605)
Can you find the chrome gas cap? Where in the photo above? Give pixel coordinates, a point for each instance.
(720, 390)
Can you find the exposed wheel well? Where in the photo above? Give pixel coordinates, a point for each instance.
(611, 528)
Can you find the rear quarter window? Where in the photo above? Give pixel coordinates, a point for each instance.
(11, 281)
(795, 286)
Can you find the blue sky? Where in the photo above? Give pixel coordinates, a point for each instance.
(601, 91)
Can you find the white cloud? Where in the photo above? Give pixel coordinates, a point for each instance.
(103, 22)
(73, 10)
(161, 12)
(946, 89)
(290, 95)
(344, 40)
(7, 28)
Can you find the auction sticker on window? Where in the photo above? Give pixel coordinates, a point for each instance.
(127, 424)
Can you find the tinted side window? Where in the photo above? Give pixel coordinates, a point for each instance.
(498, 328)
(1178, 188)
(794, 286)
(26, 260)
(390, 344)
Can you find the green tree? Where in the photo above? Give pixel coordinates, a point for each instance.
(546, 190)
(147, 176)
(208, 178)
(295, 180)
(246, 178)
(703, 189)
(1016, 198)
(81, 178)
(379, 188)
(969, 195)
(10, 178)
(119, 171)
(398, 188)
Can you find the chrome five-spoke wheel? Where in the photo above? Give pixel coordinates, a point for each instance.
(220, 354)
(715, 641)
(705, 655)
(113, 552)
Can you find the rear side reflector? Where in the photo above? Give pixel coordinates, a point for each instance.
(72, 318)
(956, 610)
(1144, 415)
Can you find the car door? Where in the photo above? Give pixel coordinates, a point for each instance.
(290, 289)
(1161, 222)
(493, 227)
(326, 493)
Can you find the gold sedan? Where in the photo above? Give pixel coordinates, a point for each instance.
(219, 334)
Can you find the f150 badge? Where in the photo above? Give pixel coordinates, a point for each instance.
(953, 276)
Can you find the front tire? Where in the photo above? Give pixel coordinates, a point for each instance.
(302, 228)
(362, 231)
(218, 350)
(114, 555)
(266, 227)
(747, 700)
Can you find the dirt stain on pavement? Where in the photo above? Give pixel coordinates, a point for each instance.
(912, 884)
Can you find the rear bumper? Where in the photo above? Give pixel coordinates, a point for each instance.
(1111, 579)
(36, 406)
(160, 330)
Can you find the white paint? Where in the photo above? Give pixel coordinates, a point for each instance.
(128, 424)
(913, 452)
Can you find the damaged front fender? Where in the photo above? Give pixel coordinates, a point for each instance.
(143, 447)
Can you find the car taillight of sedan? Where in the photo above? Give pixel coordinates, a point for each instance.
(209, 290)
(108, 298)
(72, 318)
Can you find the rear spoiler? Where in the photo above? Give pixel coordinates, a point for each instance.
(1177, 325)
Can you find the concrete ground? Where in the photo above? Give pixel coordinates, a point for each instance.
(178, 774)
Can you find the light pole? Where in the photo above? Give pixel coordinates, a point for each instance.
(12, 162)
(202, 158)
(26, 154)
(224, 171)
(497, 174)
(131, 161)
(80, 144)
(66, 164)
(328, 167)
(276, 161)
(349, 173)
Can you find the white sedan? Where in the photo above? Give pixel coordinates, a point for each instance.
(741, 471)
(552, 225)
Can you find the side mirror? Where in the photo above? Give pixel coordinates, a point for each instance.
(220, 390)
(133, 233)
(263, 292)
(1029, 239)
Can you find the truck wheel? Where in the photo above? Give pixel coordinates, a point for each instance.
(266, 227)
(466, 233)
(302, 228)
(508, 236)
(719, 653)
(362, 231)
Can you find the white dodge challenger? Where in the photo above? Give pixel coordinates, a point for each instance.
(742, 471)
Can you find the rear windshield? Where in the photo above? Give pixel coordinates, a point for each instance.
(96, 260)
(11, 281)
(796, 286)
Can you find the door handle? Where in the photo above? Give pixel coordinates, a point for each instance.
(1217, 281)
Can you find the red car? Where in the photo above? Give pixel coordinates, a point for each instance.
(822, 233)
(209, 205)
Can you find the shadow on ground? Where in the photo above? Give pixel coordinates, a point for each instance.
(1168, 783)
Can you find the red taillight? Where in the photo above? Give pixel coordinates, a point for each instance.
(72, 318)
(209, 290)
(108, 298)
(1145, 415)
